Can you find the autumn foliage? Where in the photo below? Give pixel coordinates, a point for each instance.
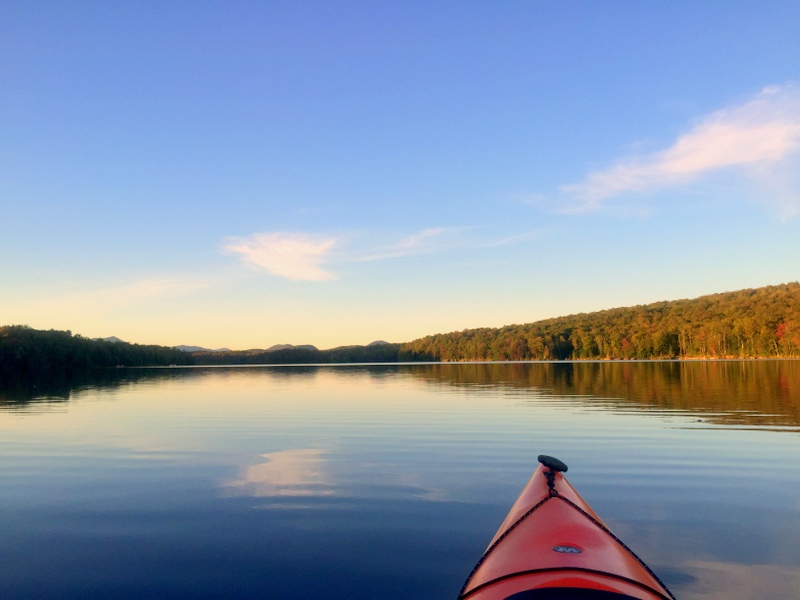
(754, 323)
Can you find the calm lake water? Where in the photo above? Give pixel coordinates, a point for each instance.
(387, 482)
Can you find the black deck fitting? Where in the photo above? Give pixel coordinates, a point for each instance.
(553, 463)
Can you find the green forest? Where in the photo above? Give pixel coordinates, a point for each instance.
(755, 323)
(31, 352)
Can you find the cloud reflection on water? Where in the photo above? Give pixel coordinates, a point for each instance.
(729, 581)
(295, 472)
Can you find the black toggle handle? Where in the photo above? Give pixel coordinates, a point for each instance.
(553, 463)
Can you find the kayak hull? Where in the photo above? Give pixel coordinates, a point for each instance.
(553, 545)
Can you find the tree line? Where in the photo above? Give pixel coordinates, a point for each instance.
(754, 323)
(27, 352)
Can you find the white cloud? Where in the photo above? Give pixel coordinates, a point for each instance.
(759, 137)
(295, 256)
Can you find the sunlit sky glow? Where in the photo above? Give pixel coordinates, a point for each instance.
(245, 174)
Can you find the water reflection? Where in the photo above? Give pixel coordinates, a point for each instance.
(760, 393)
(31, 392)
(727, 581)
(299, 472)
(752, 393)
(163, 468)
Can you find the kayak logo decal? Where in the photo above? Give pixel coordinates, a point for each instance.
(565, 549)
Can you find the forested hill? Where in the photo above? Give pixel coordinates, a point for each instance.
(758, 323)
(28, 352)
(762, 322)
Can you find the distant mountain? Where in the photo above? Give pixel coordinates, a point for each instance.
(277, 347)
(199, 349)
(113, 339)
(377, 343)
(306, 354)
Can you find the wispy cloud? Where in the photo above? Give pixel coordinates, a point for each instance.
(295, 256)
(422, 242)
(512, 239)
(443, 239)
(156, 287)
(307, 257)
(87, 306)
(758, 136)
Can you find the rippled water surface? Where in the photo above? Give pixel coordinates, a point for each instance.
(387, 482)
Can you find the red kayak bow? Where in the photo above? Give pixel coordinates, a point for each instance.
(553, 546)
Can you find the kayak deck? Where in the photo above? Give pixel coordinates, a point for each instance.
(552, 545)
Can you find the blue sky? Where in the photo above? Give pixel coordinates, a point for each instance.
(245, 174)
